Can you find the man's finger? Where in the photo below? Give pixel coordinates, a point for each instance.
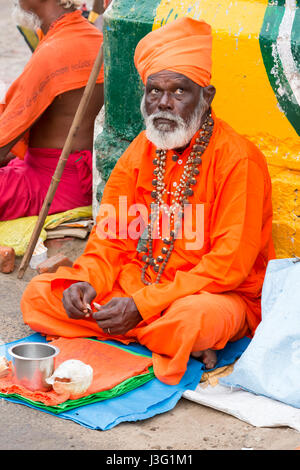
(88, 297)
(114, 302)
(107, 311)
(107, 324)
(105, 314)
(113, 307)
(111, 328)
(71, 309)
(76, 297)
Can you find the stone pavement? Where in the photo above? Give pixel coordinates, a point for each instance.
(188, 426)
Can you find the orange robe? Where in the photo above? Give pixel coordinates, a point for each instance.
(207, 296)
(62, 61)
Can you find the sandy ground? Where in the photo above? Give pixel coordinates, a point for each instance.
(188, 426)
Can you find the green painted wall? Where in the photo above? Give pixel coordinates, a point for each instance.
(124, 25)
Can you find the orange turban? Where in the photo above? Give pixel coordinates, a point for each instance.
(183, 46)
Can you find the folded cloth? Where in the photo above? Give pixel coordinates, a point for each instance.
(146, 401)
(124, 387)
(111, 366)
(17, 233)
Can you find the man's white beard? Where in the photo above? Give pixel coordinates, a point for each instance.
(166, 139)
(24, 18)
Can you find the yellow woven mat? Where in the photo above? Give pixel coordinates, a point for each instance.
(17, 233)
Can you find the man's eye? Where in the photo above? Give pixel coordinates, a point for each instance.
(154, 91)
(179, 91)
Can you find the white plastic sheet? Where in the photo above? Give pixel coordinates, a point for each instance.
(270, 365)
(256, 410)
(264, 387)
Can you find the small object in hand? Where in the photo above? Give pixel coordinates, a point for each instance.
(98, 306)
(4, 367)
(89, 309)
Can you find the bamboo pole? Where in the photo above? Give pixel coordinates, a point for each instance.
(82, 107)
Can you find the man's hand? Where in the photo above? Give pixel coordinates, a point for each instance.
(77, 298)
(118, 316)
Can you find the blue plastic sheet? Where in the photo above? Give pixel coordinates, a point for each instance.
(270, 366)
(144, 402)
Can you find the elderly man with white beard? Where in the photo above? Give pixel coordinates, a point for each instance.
(39, 108)
(188, 286)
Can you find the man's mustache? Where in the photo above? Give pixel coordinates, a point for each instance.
(166, 115)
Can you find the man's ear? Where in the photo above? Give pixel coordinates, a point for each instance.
(209, 94)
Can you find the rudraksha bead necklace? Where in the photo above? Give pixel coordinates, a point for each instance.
(179, 198)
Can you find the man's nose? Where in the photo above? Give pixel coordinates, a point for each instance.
(165, 102)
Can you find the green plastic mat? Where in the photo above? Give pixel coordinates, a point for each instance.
(123, 387)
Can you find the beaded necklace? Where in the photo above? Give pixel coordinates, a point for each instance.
(178, 200)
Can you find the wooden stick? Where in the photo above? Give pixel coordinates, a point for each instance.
(82, 107)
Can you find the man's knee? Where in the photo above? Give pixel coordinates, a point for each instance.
(192, 307)
(38, 295)
(209, 316)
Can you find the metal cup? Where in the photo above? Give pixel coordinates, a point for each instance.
(32, 364)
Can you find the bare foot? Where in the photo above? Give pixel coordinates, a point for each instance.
(208, 357)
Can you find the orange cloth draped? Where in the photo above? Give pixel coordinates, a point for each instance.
(208, 295)
(62, 61)
(182, 46)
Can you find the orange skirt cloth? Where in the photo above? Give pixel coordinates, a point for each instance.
(193, 323)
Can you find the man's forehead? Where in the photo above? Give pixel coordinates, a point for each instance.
(168, 75)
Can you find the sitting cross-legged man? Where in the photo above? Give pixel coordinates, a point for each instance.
(177, 259)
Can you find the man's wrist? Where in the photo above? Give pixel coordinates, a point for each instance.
(138, 315)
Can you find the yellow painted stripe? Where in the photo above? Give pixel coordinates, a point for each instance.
(245, 98)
